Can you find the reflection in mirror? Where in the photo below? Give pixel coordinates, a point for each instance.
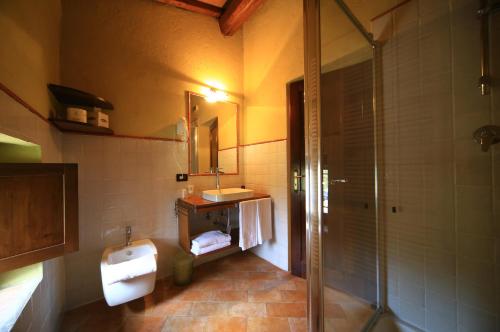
(213, 136)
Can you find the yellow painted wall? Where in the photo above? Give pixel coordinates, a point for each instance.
(143, 56)
(29, 49)
(341, 43)
(29, 59)
(273, 55)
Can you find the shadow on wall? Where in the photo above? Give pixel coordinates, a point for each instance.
(30, 56)
(158, 52)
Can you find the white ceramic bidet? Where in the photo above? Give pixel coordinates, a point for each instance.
(128, 272)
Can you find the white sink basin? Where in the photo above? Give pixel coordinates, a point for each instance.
(227, 194)
(128, 273)
(135, 250)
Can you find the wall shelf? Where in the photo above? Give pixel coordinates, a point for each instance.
(69, 96)
(76, 127)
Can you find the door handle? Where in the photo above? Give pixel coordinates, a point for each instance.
(296, 180)
(334, 181)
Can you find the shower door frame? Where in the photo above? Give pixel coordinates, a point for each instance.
(312, 117)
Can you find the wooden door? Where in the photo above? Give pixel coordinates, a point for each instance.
(214, 145)
(297, 181)
(38, 212)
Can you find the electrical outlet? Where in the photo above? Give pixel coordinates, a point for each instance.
(181, 177)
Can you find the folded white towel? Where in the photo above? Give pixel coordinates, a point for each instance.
(204, 250)
(264, 218)
(196, 246)
(248, 224)
(209, 238)
(131, 269)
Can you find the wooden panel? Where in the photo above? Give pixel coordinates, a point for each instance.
(31, 203)
(195, 6)
(218, 3)
(183, 224)
(297, 164)
(237, 13)
(71, 242)
(38, 212)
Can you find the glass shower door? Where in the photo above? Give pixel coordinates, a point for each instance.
(348, 209)
(408, 218)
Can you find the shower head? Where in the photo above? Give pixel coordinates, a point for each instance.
(487, 136)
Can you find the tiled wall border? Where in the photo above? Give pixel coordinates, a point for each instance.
(28, 107)
(22, 102)
(263, 142)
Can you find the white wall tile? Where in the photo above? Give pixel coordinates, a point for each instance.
(43, 312)
(444, 236)
(265, 171)
(125, 181)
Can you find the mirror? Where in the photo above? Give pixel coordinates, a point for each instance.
(213, 135)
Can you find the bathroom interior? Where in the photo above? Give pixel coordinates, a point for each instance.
(250, 165)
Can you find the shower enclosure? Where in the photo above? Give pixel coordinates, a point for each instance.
(403, 174)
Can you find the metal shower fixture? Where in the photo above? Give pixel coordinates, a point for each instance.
(487, 136)
(484, 13)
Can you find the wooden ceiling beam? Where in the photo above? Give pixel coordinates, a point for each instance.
(195, 6)
(237, 13)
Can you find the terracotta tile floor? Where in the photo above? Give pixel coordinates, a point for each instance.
(240, 292)
(345, 313)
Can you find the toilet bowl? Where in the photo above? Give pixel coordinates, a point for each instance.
(128, 272)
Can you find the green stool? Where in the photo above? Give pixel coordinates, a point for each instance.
(183, 268)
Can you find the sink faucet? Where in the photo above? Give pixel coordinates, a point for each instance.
(128, 234)
(218, 172)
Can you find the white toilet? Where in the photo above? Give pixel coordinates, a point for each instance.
(128, 272)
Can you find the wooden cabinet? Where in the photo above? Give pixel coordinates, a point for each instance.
(38, 213)
(183, 225)
(192, 205)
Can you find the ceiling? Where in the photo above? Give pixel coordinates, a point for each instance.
(231, 14)
(217, 3)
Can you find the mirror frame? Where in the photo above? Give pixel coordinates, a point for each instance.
(188, 117)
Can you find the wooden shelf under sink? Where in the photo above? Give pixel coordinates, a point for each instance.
(218, 251)
(189, 206)
(235, 239)
(198, 204)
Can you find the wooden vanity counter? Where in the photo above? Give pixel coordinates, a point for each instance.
(190, 205)
(199, 204)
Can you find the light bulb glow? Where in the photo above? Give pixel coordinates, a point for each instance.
(213, 96)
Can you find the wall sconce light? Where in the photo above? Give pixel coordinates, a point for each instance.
(212, 95)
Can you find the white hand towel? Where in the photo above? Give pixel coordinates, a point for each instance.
(264, 217)
(209, 238)
(131, 269)
(196, 246)
(213, 247)
(248, 224)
